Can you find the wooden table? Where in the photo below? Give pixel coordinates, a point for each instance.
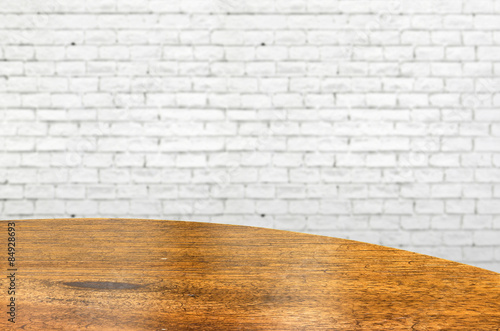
(122, 274)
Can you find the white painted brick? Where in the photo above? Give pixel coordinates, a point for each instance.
(367, 206)
(384, 222)
(366, 175)
(19, 207)
(100, 192)
(482, 238)
(399, 207)
(304, 175)
(460, 206)
(429, 207)
(446, 222)
(290, 222)
(486, 22)
(273, 175)
(415, 223)
(197, 191)
(336, 175)
(63, 129)
(334, 207)
(35, 160)
(446, 191)
(265, 207)
(128, 160)
(140, 175)
(39, 192)
(21, 175)
(83, 175)
(446, 38)
(10, 160)
(291, 192)
(477, 222)
(381, 160)
(434, 53)
(52, 175)
(487, 175)
(459, 175)
(239, 206)
(69, 192)
(261, 191)
(191, 160)
(288, 160)
(394, 238)
(487, 144)
(154, 160)
(81, 207)
(383, 191)
(112, 144)
(114, 207)
(303, 207)
(145, 207)
(496, 222)
(488, 206)
(9, 100)
(353, 191)
(11, 192)
(49, 207)
(322, 191)
(477, 191)
(478, 253)
(457, 238)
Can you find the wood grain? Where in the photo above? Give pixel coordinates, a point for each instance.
(122, 274)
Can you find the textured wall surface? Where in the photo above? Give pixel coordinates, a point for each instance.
(370, 120)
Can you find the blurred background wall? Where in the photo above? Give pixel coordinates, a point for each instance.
(369, 120)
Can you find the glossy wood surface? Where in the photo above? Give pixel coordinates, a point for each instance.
(116, 274)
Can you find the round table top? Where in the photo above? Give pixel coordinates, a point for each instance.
(129, 274)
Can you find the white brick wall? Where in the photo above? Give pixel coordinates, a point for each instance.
(370, 120)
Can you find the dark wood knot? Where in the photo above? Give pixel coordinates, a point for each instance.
(104, 285)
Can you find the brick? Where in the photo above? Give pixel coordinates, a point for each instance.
(415, 223)
(49, 207)
(485, 206)
(478, 253)
(486, 22)
(69, 192)
(39, 192)
(460, 206)
(384, 222)
(114, 207)
(303, 207)
(398, 207)
(304, 175)
(273, 175)
(191, 160)
(145, 207)
(83, 175)
(429, 206)
(81, 207)
(335, 207)
(18, 207)
(457, 238)
(265, 207)
(446, 222)
(484, 238)
(11, 192)
(239, 206)
(477, 222)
